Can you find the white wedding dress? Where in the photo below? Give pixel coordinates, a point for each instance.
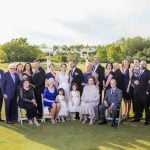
(63, 82)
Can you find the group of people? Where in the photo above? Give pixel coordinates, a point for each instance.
(74, 94)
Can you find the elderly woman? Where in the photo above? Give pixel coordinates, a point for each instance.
(49, 96)
(89, 101)
(87, 74)
(28, 102)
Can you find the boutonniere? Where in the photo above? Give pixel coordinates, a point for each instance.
(76, 73)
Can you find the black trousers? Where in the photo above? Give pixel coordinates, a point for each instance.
(11, 109)
(39, 103)
(30, 109)
(1, 103)
(141, 104)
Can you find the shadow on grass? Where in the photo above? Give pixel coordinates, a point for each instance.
(74, 136)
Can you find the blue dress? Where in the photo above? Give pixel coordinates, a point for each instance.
(85, 78)
(50, 96)
(49, 75)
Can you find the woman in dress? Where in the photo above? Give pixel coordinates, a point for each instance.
(51, 73)
(19, 71)
(127, 73)
(49, 97)
(62, 79)
(74, 101)
(89, 101)
(27, 72)
(87, 74)
(28, 102)
(108, 76)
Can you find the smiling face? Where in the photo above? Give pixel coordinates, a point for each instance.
(113, 83)
(96, 61)
(72, 64)
(26, 84)
(90, 81)
(12, 68)
(136, 63)
(63, 68)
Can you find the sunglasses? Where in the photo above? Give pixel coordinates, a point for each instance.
(12, 68)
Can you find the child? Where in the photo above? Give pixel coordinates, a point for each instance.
(74, 101)
(62, 100)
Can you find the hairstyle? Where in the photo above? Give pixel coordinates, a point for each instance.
(123, 64)
(91, 77)
(49, 80)
(36, 60)
(63, 65)
(19, 64)
(109, 63)
(51, 65)
(62, 90)
(74, 84)
(24, 69)
(11, 65)
(97, 58)
(25, 80)
(137, 60)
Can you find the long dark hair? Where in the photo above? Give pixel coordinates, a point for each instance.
(61, 89)
(24, 69)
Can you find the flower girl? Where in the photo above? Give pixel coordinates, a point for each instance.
(74, 101)
(62, 100)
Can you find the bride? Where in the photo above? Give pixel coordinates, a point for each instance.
(62, 79)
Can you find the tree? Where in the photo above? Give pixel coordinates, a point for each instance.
(114, 53)
(2, 55)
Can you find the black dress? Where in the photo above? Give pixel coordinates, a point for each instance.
(25, 98)
(106, 78)
(126, 79)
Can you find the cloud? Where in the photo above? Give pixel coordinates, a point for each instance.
(74, 21)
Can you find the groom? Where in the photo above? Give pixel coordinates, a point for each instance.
(75, 75)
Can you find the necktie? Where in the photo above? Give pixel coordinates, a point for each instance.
(13, 77)
(112, 91)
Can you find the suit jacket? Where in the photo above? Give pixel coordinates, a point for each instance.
(1, 75)
(8, 86)
(101, 74)
(118, 76)
(115, 98)
(77, 76)
(38, 79)
(144, 79)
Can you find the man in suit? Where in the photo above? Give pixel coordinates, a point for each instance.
(118, 76)
(112, 102)
(135, 76)
(142, 93)
(97, 68)
(75, 75)
(9, 85)
(1, 95)
(38, 80)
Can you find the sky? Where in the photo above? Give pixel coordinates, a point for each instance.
(69, 22)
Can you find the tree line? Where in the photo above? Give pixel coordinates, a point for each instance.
(125, 48)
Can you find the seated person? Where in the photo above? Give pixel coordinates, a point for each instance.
(112, 102)
(49, 96)
(27, 101)
(89, 101)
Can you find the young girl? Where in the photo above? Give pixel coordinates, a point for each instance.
(74, 101)
(62, 100)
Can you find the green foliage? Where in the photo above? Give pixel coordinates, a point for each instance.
(2, 55)
(21, 50)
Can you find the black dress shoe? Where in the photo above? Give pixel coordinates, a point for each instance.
(135, 120)
(146, 122)
(1, 120)
(114, 124)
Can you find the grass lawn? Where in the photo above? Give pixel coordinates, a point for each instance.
(72, 135)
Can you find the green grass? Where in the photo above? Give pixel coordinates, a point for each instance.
(72, 135)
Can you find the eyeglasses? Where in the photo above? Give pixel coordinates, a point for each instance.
(12, 68)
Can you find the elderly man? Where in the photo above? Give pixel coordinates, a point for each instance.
(142, 93)
(9, 84)
(112, 102)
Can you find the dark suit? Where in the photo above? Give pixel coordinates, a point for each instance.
(114, 98)
(9, 87)
(1, 95)
(38, 79)
(142, 97)
(101, 77)
(118, 76)
(76, 77)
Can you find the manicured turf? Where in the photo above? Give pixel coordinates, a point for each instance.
(72, 135)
